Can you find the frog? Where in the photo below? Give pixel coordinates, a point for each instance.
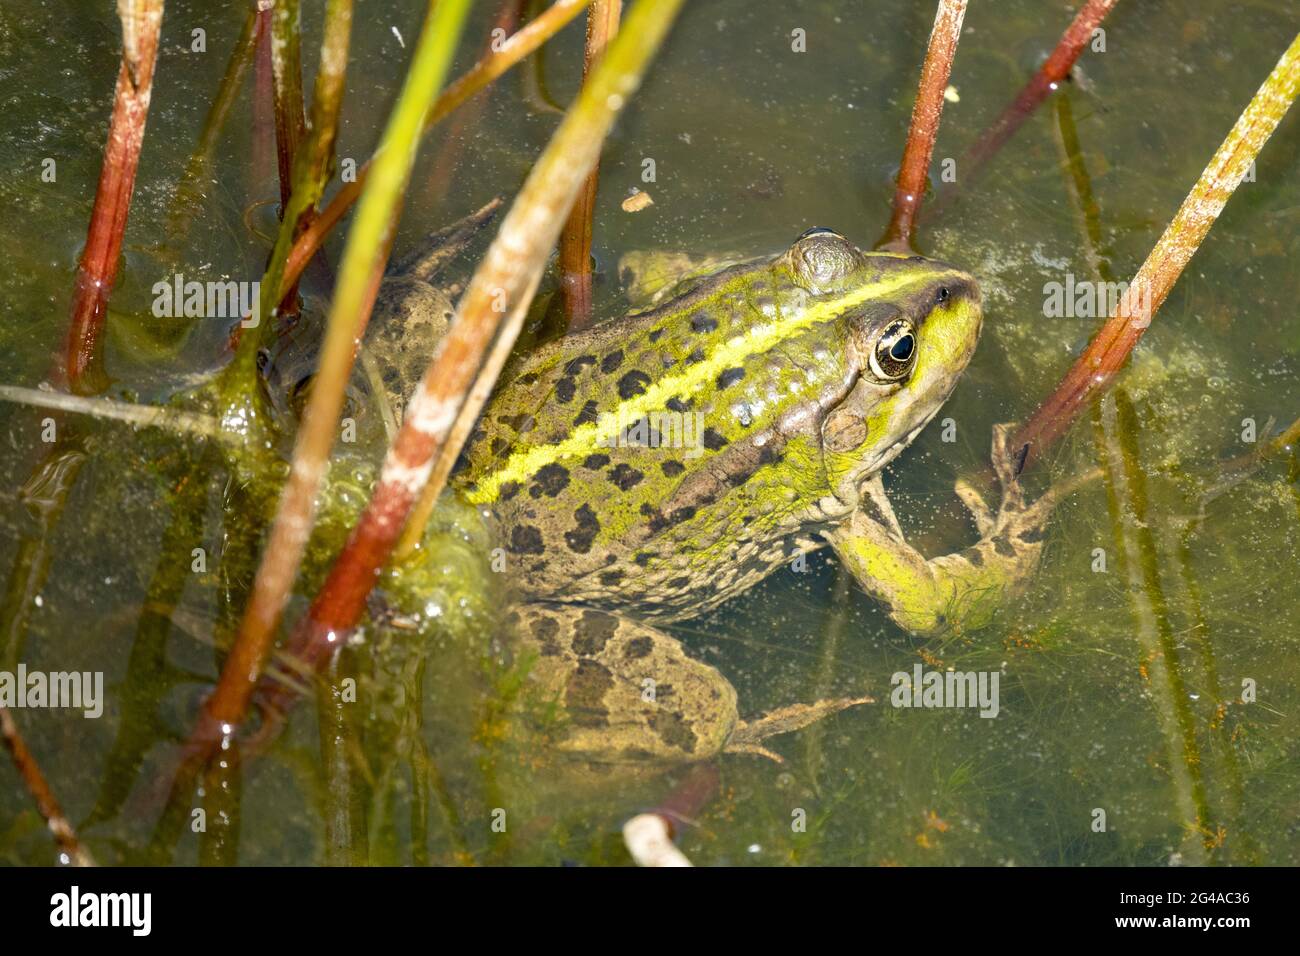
(651, 468)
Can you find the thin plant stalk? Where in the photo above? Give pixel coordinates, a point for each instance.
(312, 169)
(60, 826)
(443, 165)
(1095, 370)
(575, 240)
(263, 143)
(360, 271)
(141, 416)
(1045, 81)
(188, 198)
(509, 274)
(97, 270)
(513, 49)
(926, 112)
(286, 74)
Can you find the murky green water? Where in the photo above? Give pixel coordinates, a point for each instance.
(1161, 690)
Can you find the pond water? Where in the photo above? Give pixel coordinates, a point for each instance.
(1148, 681)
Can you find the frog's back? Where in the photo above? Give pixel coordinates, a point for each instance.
(634, 462)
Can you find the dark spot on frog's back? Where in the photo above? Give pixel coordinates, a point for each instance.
(713, 440)
(730, 377)
(520, 423)
(550, 480)
(584, 694)
(545, 630)
(592, 632)
(525, 539)
(633, 384)
(638, 648)
(611, 361)
(595, 462)
(575, 366)
(584, 533)
(564, 390)
(672, 469)
(673, 730)
(624, 476)
(702, 322)
(588, 414)
(676, 404)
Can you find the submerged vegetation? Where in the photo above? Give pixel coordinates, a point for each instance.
(309, 644)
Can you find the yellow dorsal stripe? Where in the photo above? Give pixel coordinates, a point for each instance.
(758, 338)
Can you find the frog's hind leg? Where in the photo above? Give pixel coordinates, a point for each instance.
(651, 276)
(425, 262)
(626, 692)
(749, 734)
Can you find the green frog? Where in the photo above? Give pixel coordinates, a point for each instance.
(653, 467)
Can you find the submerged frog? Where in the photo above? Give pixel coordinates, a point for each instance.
(651, 468)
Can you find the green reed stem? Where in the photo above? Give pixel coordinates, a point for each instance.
(509, 274)
(363, 260)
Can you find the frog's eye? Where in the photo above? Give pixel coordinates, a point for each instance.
(895, 351)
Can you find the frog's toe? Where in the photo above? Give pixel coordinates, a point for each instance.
(755, 749)
(1007, 461)
(979, 509)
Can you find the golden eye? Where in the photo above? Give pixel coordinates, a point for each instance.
(895, 351)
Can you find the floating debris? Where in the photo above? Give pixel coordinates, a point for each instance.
(637, 201)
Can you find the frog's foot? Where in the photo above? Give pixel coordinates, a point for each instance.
(651, 276)
(960, 591)
(749, 734)
(431, 256)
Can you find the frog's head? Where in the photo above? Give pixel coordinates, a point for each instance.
(910, 325)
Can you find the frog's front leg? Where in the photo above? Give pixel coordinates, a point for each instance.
(960, 591)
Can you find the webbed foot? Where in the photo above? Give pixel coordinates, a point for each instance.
(963, 590)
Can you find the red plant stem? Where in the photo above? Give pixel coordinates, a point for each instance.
(286, 92)
(926, 112)
(1049, 76)
(512, 267)
(48, 805)
(83, 362)
(1095, 370)
(575, 240)
(263, 100)
(443, 166)
(688, 798)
